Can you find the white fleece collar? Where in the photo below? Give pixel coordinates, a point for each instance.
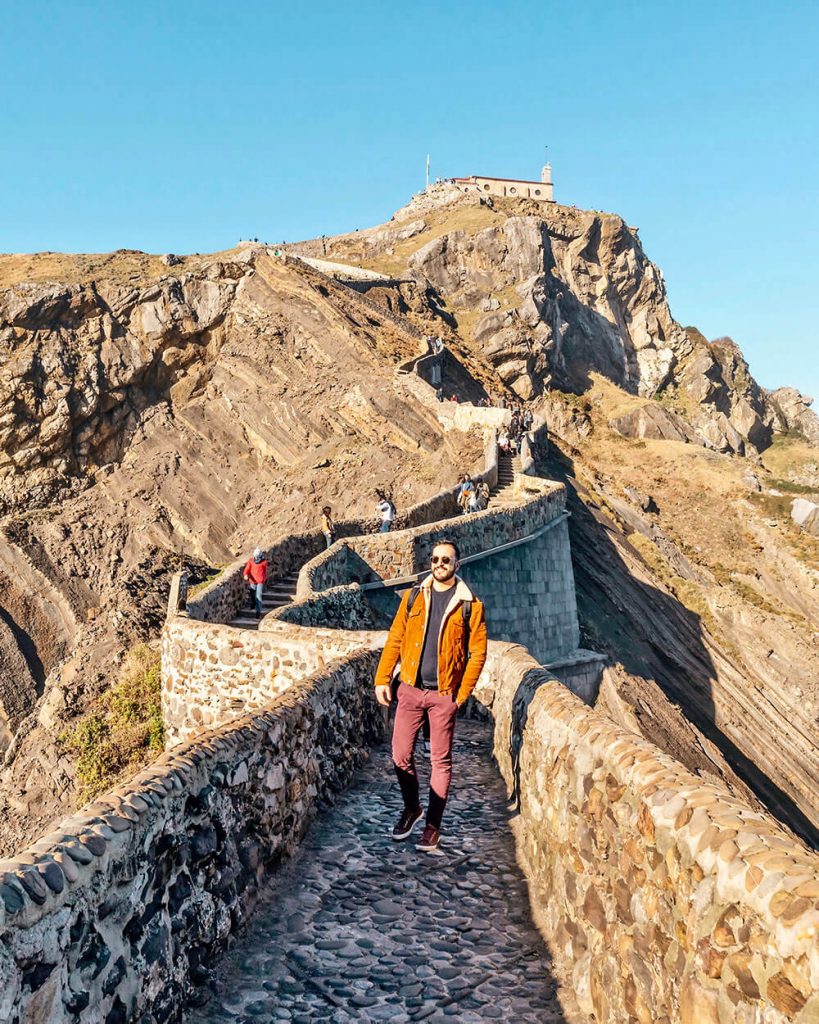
(461, 591)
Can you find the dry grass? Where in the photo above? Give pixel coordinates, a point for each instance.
(704, 508)
(123, 731)
(788, 454)
(458, 217)
(76, 268)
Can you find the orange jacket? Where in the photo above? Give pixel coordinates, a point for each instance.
(456, 673)
(255, 572)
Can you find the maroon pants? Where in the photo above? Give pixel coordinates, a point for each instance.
(442, 709)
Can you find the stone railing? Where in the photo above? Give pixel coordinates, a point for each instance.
(661, 896)
(664, 897)
(403, 553)
(221, 599)
(211, 674)
(117, 915)
(537, 436)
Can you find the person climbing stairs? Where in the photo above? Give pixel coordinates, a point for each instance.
(277, 593)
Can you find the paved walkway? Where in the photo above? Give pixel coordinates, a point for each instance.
(359, 928)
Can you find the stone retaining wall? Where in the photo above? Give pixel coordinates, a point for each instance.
(528, 589)
(212, 673)
(385, 556)
(461, 416)
(117, 915)
(342, 607)
(539, 436)
(666, 898)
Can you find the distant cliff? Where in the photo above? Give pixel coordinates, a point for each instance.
(549, 294)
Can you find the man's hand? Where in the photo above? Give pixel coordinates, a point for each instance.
(383, 694)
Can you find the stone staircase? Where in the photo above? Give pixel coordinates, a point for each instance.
(508, 465)
(277, 593)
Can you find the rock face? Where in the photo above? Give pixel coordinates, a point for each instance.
(729, 410)
(806, 515)
(565, 292)
(653, 421)
(548, 294)
(795, 414)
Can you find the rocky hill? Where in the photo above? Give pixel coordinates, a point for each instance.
(154, 415)
(155, 411)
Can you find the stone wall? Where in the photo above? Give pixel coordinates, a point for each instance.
(221, 600)
(538, 437)
(402, 553)
(212, 673)
(461, 416)
(338, 608)
(528, 588)
(667, 899)
(117, 915)
(530, 594)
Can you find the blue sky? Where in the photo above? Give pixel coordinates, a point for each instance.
(184, 126)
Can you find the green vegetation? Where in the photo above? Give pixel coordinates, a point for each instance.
(790, 487)
(210, 576)
(123, 730)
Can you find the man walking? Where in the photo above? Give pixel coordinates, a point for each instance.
(439, 636)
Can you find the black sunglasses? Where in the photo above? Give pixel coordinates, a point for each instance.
(443, 559)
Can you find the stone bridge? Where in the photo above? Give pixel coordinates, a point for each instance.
(592, 879)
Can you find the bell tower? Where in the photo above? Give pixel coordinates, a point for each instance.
(546, 177)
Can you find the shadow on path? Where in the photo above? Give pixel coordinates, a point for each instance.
(359, 928)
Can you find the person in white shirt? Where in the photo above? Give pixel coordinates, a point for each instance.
(386, 509)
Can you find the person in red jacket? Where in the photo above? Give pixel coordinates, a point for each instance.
(255, 575)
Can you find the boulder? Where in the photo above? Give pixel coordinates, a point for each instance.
(806, 515)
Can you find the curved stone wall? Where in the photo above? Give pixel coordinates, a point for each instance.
(221, 600)
(117, 915)
(404, 553)
(667, 898)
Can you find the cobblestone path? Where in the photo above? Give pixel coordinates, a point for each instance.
(359, 928)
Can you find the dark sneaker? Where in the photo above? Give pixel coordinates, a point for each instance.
(406, 823)
(429, 840)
